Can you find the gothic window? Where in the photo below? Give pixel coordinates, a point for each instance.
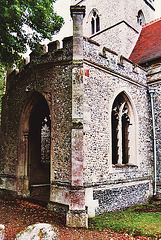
(121, 123)
(95, 22)
(140, 18)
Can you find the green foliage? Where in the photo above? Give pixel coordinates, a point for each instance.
(2, 81)
(38, 15)
(138, 221)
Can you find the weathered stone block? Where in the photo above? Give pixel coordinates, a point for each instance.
(38, 231)
(53, 46)
(77, 219)
(77, 200)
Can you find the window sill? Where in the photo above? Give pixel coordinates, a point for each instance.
(128, 165)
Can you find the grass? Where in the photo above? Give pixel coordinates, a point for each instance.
(140, 220)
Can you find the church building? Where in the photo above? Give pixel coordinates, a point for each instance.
(80, 124)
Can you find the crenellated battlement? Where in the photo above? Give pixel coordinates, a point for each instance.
(54, 55)
(110, 60)
(93, 53)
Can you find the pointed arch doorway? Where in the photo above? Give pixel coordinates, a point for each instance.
(35, 130)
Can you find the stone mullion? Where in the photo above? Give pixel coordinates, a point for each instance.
(120, 139)
(131, 139)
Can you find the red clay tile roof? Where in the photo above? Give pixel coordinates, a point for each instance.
(148, 46)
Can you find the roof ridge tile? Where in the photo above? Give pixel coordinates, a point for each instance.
(151, 22)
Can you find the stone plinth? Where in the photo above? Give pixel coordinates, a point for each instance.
(77, 219)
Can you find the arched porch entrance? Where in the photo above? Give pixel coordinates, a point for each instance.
(35, 131)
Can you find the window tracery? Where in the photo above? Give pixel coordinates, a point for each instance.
(122, 127)
(45, 140)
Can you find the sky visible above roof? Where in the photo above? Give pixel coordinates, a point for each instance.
(62, 7)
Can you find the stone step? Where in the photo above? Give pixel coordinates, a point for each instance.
(40, 192)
